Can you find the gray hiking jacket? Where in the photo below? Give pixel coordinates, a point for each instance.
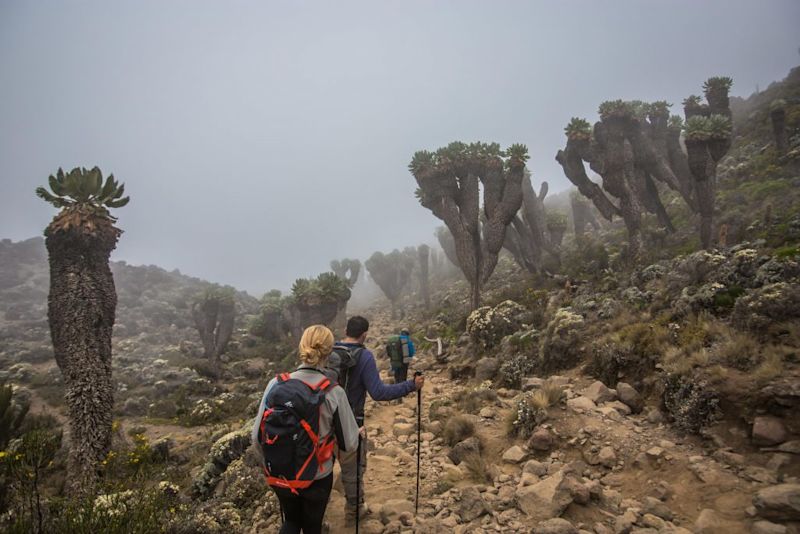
(336, 416)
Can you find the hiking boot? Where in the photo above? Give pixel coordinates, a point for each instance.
(350, 514)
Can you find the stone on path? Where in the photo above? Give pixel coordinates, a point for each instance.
(768, 430)
(556, 525)
(767, 527)
(514, 455)
(546, 499)
(541, 440)
(393, 508)
(779, 503)
(599, 393)
(629, 396)
(581, 405)
(463, 448)
(471, 506)
(711, 522)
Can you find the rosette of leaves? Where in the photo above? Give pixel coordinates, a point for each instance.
(692, 102)
(675, 121)
(777, 105)
(82, 194)
(272, 301)
(698, 128)
(517, 154)
(556, 221)
(613, 108)
(327, 287)
(719, 127)
(331, 287)
(717, 84)
(658, 109)
(578, 129)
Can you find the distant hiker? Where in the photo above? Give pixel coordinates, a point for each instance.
(303, 417)
(354, 366)
(400, 350)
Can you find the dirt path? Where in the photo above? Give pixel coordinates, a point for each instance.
(687, 475)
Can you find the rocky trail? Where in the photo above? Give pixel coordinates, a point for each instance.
(593, 466)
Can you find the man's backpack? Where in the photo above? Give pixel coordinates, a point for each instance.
(341, 362)
(397, 350)
(288, 434)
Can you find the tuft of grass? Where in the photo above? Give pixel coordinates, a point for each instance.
(478, 398)
(480, 470)
(457, 429)
(739, 351)
(771, 367)
(548, 395)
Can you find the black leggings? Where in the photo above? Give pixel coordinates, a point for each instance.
(304, 512)
(401, 375)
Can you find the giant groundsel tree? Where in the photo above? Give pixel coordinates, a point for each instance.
(528, 236)
(450, 182)
(636, 145)
(214, 314)
(81, 308)
(392, 273)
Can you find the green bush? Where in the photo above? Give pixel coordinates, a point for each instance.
(12, 414)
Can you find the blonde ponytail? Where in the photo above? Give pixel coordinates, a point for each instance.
(316, 344)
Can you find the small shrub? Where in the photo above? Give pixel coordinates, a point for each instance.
(458, 429)
(560, 348)
(24, 465)
(514, 369)
(528, 414)
(692, 403)
(139, 511)
(12, 414)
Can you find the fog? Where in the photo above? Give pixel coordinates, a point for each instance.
(260, 140)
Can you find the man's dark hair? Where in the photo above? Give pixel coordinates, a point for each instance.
(356, 325)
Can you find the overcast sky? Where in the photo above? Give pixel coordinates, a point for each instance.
(260, 140)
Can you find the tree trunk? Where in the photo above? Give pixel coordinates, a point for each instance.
(81, 312)
(475, 295)
(424, 281)
(778, 117)
(702, 167)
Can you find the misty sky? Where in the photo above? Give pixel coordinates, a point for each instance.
(260, 140)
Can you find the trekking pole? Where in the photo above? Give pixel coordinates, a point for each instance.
(358, 480)
(419, 430)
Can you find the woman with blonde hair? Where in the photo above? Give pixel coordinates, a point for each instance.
(302, 418)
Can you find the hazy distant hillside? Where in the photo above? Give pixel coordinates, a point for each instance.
(153, 303)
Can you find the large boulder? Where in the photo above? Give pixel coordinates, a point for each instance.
(471, 506)
(486, 368)
(486, 326)
(546, 499)
(768, 431)
(779, 503)
(629, 396)
(599, 393)
(461, 449)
